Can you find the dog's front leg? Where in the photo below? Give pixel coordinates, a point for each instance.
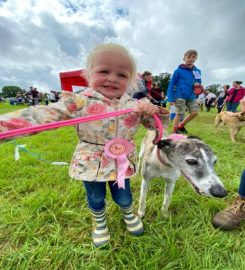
(169, 187)
(233, 132)
(143, 194)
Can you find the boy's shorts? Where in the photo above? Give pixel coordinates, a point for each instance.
(181, 104)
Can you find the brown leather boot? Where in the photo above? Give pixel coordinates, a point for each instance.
(230, 217)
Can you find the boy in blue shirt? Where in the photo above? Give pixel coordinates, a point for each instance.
(181, 91)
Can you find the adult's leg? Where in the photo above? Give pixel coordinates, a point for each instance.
(241, 190)
(228, 106)
(220, 108)
(234, 106)
(201, 106)
(233, 215)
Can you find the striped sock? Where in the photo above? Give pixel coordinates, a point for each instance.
(133, 223)
(100, 234)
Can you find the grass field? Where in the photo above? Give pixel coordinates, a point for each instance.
(45, 224)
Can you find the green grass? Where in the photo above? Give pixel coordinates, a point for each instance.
(45, 224)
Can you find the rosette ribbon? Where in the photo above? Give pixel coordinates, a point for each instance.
(119, 149)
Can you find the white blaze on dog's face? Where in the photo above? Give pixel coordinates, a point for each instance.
(196, 160)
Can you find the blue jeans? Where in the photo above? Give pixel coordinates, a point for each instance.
(96, 193)
(241, 189)
(232, 106)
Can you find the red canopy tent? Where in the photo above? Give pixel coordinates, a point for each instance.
(70, 78)
(76, 78)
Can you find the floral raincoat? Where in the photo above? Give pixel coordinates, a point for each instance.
(89, 162)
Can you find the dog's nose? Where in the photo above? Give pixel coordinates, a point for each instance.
(218, 191)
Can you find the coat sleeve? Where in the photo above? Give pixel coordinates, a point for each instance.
(63, 110)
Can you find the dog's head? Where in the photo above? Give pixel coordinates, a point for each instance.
(195, 160)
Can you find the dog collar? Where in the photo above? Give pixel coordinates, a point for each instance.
(161, 159)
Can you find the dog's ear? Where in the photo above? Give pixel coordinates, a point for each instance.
(165, 144)
(242, 116)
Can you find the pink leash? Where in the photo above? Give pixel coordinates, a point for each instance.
(117, 148)
(42, 127)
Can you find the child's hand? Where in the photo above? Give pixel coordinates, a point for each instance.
(147, 108)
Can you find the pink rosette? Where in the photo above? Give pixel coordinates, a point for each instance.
(119, 149)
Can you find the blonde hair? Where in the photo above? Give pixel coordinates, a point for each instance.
(110, 47)
(190, 52)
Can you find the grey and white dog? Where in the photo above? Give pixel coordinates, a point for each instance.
(188, 156)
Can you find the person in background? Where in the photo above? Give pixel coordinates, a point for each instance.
(52, 96)
(46, 98)
(157, 96)
(233, 215)
(210, 100)
(19, 97)
(138, 86)
(220, 101)
(40, 97)
(201, 100)
(234, 95)
(57, 96)
(181, 91)
(144, 86)
(34, 96)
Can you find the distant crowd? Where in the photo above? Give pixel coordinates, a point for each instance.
(227, 98)
(33, 97)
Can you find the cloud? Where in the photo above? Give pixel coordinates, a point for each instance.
(39, 38)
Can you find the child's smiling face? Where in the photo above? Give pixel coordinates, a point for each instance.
(110, 74)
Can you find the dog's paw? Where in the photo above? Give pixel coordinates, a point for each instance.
(164, 213)
(141, 214)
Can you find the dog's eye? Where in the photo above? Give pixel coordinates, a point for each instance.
(191, 162)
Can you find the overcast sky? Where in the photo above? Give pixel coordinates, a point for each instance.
(40, 38)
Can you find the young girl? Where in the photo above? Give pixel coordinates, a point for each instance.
(110, 70)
